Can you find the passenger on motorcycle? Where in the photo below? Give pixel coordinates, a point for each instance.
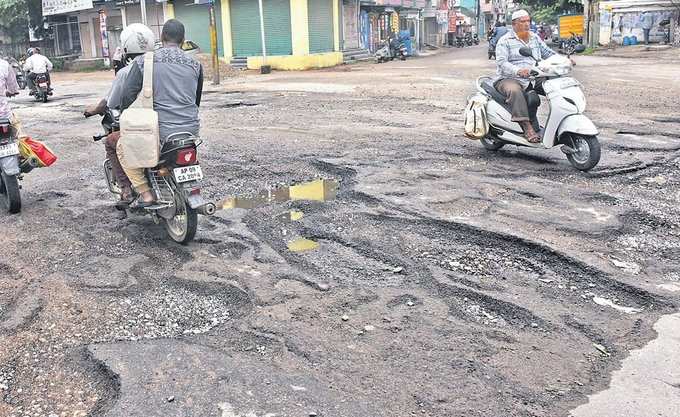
(178, 84)
(513, 69)
(9, 88)
(136, 39)
(37, 64)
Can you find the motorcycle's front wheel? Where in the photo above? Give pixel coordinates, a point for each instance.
(587, 152)
(183, 225)
(9, 193)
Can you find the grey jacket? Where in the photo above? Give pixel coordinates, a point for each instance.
(177, 89)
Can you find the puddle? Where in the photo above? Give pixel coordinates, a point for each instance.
(291, 216)
(318, 190)
(302, 245)
(608, 303)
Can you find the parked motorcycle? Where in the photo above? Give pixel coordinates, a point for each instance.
(568, 46)
(174, 182)
(460, 42)
(566, 125)
(390, 50)
(475, 39)
(468, 39)
(666, 26)
(19, 72)
(42, 88)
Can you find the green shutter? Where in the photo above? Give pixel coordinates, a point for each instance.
(320, 15)
(245, 27)
(196, 20)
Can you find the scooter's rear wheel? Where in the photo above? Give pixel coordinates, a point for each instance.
(491, 144)
(586, 153)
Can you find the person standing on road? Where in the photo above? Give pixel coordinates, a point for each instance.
(513, 69)
(646, 21)
(9, 88)
(177, 89)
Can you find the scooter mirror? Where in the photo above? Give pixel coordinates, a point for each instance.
(525, 51)
(579, 48)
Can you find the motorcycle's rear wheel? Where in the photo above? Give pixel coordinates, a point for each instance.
(9, 193)
(182, 226)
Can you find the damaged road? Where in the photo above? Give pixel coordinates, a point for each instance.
(444, 279)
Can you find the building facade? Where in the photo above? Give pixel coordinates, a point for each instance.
(610, 22)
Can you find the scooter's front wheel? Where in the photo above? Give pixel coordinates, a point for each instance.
(586, 153)
(491, 144)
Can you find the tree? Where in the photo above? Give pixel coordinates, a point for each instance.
(17, 16)
(547, 11)
(14, 19)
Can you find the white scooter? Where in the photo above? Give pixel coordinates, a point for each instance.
(566, 125)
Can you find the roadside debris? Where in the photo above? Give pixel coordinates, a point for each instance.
(630, 267)
(602, 349)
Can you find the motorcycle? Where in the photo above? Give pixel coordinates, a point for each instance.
(391, 49)
(475, 39)
(174, 182)
(566, 124)
(18, 70)
(468, 39)
(12, 168)
(666, 26)
(568, 46)
(460, 42)
(42, 88)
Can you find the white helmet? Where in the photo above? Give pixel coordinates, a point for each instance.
(136, 39)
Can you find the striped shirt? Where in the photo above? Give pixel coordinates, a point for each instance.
(8, 83)
(510, 61)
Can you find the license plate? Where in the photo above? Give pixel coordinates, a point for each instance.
(43, 84)
(9, 150)
(189, 173)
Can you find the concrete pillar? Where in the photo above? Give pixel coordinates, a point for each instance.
(299, 27)
(336, 25)
(227, 42)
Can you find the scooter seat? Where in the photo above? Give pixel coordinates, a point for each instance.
(487, 85)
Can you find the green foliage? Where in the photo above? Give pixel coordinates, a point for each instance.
(547, 11)
(14, 19)
(16, 16)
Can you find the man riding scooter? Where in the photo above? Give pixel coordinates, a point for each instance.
(514, 69)
(36, 64)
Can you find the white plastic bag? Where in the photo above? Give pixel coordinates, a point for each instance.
(476, 123)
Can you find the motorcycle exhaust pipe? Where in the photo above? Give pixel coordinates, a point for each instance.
(207, 209)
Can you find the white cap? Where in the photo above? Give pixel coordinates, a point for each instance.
(519, 13)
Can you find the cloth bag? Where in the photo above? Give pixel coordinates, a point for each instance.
(139, 141)
(476, 123)
(32, 149)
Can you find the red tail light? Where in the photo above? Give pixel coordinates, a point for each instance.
(4, 128)
(186, 156)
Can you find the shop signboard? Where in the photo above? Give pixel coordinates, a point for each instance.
(52, 7)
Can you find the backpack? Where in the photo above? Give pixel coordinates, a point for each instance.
(139, 141)
(476, 123)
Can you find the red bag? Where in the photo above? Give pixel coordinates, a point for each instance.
(31, 148)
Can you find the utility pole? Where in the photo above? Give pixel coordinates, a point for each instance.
(142, 4)
(213, 44)
(264, 45)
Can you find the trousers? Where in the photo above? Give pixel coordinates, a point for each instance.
(135, 175)
(514, 93)
(112, 154)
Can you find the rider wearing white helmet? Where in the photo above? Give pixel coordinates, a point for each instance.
(135, 40)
